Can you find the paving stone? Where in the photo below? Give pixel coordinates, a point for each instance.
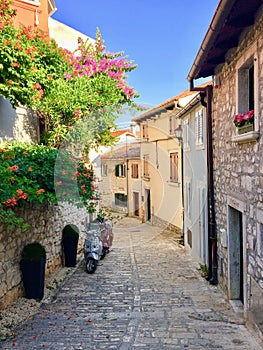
(146, 294)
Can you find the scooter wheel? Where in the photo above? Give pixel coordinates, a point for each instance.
(91, 265)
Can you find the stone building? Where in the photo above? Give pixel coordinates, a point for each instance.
(120, 185)
(232, 52)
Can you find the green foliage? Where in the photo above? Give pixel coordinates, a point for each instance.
(204, 271)
(27, 175)
(33, 252)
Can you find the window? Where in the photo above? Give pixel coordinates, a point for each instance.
(135, 171)
(246, 87)
(146, 172)
(174, 167)
(199, 127)
(145, 131)
(187, 197)
(104, 170)
(172, 124)
(120, 170)
(186, 133)
(120, 199)
(248, 93)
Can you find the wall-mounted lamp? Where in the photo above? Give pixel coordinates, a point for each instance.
(178, 132)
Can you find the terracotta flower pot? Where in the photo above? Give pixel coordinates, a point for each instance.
(32, 265)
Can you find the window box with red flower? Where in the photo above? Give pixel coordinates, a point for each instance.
(244, 122)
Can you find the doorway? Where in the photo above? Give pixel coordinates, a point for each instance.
(148, 205)
(235, 255)
(136, 204)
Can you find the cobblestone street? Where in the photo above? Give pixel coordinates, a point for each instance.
(146, 294)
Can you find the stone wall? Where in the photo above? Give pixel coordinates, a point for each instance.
(238, 169)
(47, 224)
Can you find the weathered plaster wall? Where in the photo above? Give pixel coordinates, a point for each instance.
(238, 169)
(47, 224)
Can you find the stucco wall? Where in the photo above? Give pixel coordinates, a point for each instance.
(47, 224)
(238, 169)
(166, 202)
(17, 124)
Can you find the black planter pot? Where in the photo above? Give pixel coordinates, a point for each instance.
(33, 276)
(70, 247)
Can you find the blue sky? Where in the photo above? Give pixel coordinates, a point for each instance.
(161, 36)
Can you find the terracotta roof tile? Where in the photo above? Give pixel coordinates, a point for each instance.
(129, 151)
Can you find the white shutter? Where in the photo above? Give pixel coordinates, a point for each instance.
(199, 127)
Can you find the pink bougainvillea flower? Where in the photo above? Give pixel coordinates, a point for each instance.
(68, 76)
(77, 112)
(40, 191)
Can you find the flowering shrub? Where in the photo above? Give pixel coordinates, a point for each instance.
(81, 91)
(243, 119)
(27, 175)
(29, 61)
(65, 86)
(95, 82)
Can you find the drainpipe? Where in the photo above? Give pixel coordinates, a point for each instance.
(212, 235)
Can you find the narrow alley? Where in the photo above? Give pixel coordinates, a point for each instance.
(146, 294)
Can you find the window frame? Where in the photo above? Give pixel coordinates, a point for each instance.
(186, 133)
(247, 57)
(104, 170)
(199, 127)
(146, 172)
(120, 170)
(187, 197)
(172, 124)
(145, 131)
(118, 200)
(174, 167)
(135, 171)
(244, 64)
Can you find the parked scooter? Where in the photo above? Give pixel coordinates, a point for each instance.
(92, 247)
(106, 236)
(97, 243)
